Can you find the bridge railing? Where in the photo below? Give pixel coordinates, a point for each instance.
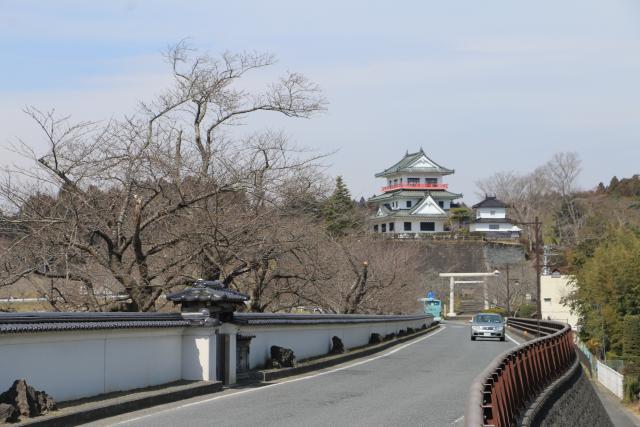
(499, 395)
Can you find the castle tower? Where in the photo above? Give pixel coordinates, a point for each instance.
(415, 199)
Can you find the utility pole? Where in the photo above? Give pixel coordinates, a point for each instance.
(508, 294)
(538, 238)
(537, 225)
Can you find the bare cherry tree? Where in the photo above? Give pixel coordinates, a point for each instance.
(366, 275)
(138, 204)
(562, 172)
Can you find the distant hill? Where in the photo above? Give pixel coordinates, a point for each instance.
(625, 187)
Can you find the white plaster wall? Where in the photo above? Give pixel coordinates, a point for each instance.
(75, 364)
(402, 203)
(555, 289)
(405, 177)
(314, 340)
(421, 176)
(485, 227)
(486, 213)
(415, 226)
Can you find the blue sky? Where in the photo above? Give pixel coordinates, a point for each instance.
(482, 86)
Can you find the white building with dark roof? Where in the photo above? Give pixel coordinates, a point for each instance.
(491, 218)
(414, 199)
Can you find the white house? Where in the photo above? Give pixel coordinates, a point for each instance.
(415, 198)
(553, 289)
(491, 218)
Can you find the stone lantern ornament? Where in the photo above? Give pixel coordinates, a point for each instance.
(208, 302)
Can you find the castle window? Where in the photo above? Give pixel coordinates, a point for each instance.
(427, 226)
(413, 180)
(391, 226)
(384, 228)
(494, 226)
(408, 203)
(375, 228)
(441, 203)
(407, 226)
(431, 180)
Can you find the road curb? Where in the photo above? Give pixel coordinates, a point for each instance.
(268, 375)
(117, 406)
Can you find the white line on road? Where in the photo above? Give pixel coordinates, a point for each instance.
(361, 362)
(512, 340)
(458, 420)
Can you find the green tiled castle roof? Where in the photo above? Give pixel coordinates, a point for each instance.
(404, 165)
(436, 194)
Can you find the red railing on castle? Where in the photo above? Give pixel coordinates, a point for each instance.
(414, 186)
(498, 397)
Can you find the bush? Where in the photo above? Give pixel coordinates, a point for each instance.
(526, 311)
(631, 343)
(631, 388)
(631, 355)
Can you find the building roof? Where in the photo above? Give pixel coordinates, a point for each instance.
(427, 206)
(490, 202)
(493, 221)
(415, 162)
(46, 322)
(315, 319)
(406, 214)
(436, 194)
(208, 290)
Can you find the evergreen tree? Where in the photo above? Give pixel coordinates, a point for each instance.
(607, 278)
(339, 211)
(613, 183)
(631, 356)
(461, 215)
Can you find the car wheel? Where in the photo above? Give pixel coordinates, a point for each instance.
(473, 338)
(502, 338)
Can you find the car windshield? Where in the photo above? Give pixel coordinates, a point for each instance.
(488, 318)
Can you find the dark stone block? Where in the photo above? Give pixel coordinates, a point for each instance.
(389, 336)
(411, 331)
(26, 401)
(375, 338)
(8, 413)
(337, 347)
(282, 358)
(402, 333)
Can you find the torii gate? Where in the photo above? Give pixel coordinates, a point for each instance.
(452, 283)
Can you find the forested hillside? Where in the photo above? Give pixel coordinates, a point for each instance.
(595, 236)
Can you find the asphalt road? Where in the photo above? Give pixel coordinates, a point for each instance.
(423, 382)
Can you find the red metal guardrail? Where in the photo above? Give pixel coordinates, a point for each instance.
(499, 396)
(414, 186)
